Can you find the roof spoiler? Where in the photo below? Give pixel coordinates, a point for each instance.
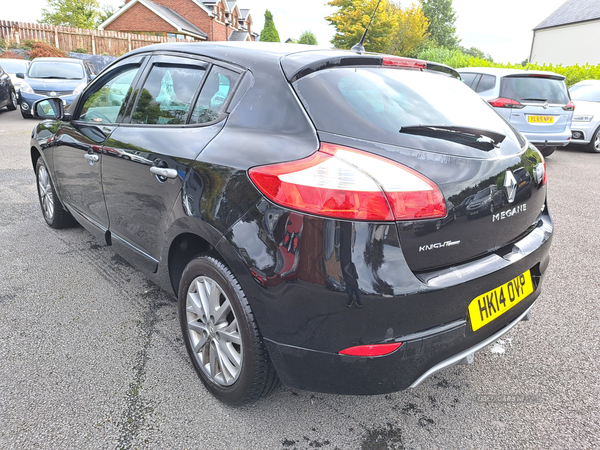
(299, 65)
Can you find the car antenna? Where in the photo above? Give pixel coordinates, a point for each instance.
(359, 48)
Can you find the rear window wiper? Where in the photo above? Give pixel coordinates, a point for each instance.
(535, 99)
(474, 137)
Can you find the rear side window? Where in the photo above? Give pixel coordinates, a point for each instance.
(486, 83)
(470, 79)
(167, 94)
(215, 93)
(524, 89)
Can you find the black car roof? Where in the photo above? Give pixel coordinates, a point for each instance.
(297, 60)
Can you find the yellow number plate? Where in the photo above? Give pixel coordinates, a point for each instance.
(540, 119)
(496, 302)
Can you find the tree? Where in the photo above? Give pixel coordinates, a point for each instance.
(307, 37)
(352, 18)
(106, 12)
(411, 31)
(476, 53)
(71, 13)
(441, 16)
(269, 32)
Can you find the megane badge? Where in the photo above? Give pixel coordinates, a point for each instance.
(510, 186)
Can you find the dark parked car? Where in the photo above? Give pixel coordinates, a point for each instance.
(486, 201)
(63, 78)
(8, 96)
(279, 203)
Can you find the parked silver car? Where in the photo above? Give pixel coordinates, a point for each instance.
(586, 122)
(12, 67)
(537, 103)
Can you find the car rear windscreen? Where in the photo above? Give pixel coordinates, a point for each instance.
(55, 70)
(531, 89)
(375, 103)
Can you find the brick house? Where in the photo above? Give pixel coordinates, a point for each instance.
(213, 20)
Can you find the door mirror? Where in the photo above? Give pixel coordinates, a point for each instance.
(20, 75)
(48, 108)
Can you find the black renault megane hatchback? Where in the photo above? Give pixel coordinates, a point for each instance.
(279, 191)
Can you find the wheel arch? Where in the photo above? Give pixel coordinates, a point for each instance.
(183, 249)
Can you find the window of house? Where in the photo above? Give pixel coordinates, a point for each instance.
(167, 94)
(104, 104)
(215, 93)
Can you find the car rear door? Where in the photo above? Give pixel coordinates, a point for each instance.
(78, 144)
(175, 115)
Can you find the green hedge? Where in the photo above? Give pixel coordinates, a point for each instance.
(457, 59)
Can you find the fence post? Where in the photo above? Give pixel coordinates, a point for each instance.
(93, 42)
(17, 34)
(56, 37)
(129, 41)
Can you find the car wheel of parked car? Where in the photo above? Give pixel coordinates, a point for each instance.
(13, 101)
(25, 115)
(221, 335)
(54, 212)
(548, 151)
(594, 144)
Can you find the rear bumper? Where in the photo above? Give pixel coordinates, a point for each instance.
(541, 140)
(586, 132)
(417, 359)
(306, 321)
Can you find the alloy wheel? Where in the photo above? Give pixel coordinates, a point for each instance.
(45, 190)
(213, 331)
(14, 100)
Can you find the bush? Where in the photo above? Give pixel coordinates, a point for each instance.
(457, 59)
(80, 50)
(41, 49)
(11, 54)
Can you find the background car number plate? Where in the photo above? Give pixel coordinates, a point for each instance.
(496, 302)
(541, 119)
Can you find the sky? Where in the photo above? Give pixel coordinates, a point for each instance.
(502, 28)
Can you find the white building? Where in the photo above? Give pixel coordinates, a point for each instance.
(568, 36)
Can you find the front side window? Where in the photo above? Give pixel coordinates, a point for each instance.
(105, 104)
(167, 95)
(215, 92)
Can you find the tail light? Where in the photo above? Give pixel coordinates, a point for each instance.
(407, 63)
(341, 182)
(506, 103)
(371, 350)
(569, 106)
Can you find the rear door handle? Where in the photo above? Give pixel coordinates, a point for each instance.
(163, 172)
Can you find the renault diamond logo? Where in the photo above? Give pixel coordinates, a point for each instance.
(52, 94)
(510, 186)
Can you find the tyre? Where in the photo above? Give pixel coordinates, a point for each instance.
(547, 151)
(25, 115)
(54, 212)
(221, 335)
(594, 145)
(12, 105)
